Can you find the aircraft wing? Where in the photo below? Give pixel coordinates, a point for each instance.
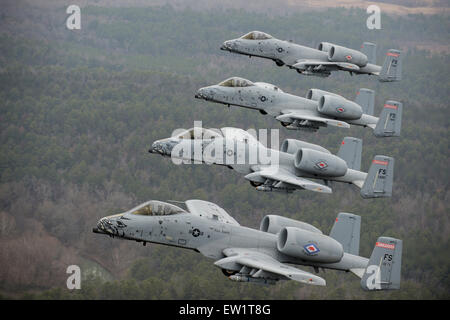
(265, 264)
(289, 116)
(279, 174)
(304, 64)
(209, 210)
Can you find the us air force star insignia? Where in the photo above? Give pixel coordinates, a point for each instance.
(280, 50)
(195, 232)
(263, 98)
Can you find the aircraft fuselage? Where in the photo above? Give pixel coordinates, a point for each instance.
(207, 236)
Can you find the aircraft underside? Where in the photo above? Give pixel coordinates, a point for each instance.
(305, 125)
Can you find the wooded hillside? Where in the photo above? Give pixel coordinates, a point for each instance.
(80, 109)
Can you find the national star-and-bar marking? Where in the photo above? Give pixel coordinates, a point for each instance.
(311, 248)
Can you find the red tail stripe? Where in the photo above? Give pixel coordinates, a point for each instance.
(385, 245)
(383, 163)
(390, 106)
(392, 54)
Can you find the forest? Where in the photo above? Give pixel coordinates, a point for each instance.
(79, 110)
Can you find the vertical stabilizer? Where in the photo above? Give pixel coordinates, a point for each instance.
(390, 121)
(346, 231)
(379, 179)
(370, 50)
(383, 271)
(392, 67)
(366, 99)
(350, 151)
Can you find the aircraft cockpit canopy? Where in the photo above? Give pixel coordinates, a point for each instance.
(256, 35)
(236, 82)
(156, 208)
(198, 133)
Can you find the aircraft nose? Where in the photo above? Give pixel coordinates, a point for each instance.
(204, 93)
(156, 148)
(163, 147)
(200, 93)
(102, 226)
(110, 225)
(227, 45)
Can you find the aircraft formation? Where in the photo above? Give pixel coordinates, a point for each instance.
(263, 256)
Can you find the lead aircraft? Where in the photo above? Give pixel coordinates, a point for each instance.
(260, 256)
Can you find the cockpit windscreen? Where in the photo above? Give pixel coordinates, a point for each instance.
(157, 208)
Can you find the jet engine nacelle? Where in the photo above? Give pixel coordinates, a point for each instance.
(319, 163)
(310, 246)
(291, 146)
(339, 107)
(316, 94)
(273, 224)
(343, 54)
(325, 46)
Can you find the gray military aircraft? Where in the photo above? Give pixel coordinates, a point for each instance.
(283, 170)
(319, 108)
(318, 62)
(260, 256)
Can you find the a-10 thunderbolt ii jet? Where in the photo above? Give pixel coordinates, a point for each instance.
(260, 256)
(283, 170)
(318, 62)
(319, 108)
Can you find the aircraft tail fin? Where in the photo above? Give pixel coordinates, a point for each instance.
(350, 151)
(384, 268)
(366, 99)
(392, 67)
(346, 231)
(390, 121)
(379, 179)
(370, 50)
